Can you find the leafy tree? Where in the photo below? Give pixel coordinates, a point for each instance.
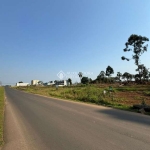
(146, 74)
(136, 43)
(70, 81)
(20, 82)
(80, 75)
(109, 71)
(131, 76)
(127, 76)
(40, 83)
(143, 72)
(119, 75)
(101, 76)
(85, 80)
(136, 77)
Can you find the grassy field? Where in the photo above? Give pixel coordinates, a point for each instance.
(1, 114)
(120, 97)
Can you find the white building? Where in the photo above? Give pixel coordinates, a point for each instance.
(34, 82)
(22, 84)
(61, 83)
(51, 83)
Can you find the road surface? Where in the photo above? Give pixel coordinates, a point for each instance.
(34, 122)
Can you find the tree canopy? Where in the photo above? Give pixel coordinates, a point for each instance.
(80, 75)
(136, 43)
(70, 81)
(109, 71)
(85, 80)
(119, 75)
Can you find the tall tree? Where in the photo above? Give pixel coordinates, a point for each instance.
(40, 83)
(109, 71)
(119, 75)
(136, 77)
(136, 43)
(143, 72)
(127, 76)
(85, 80)
(101, 76)
(70, 81)
(80, 75)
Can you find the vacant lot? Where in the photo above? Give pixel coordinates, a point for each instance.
(1, 114)
(119, 97)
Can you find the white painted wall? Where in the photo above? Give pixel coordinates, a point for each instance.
(64, 83)
(22, 84)
(34, 82)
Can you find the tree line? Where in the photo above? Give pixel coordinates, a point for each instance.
(136, 44)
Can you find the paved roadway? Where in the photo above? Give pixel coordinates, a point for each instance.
(38, 123)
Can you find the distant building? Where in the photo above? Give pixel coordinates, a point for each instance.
(34, 82)
(22, 84)
(62, 83)
(57, 82)
(51, 83)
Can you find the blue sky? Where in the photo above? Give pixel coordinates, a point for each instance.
(39, 38)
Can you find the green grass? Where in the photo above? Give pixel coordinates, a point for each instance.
(1, 115)
(120, 97)
(89, 94)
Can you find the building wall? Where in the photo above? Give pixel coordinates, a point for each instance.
(51, 83)
(34, 82)
(62, 83)
(22, 84)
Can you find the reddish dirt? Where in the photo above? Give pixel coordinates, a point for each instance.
(130, 98)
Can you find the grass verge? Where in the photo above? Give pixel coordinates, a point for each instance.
(120, 97)
(1, 115)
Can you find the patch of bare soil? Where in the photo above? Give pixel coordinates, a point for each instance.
(129, 98)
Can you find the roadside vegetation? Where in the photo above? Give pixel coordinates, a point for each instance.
(1, 114)
(111, 95)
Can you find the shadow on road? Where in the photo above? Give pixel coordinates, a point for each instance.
(126, 116)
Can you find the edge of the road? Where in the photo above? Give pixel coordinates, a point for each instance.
(12, 125)
(68, 100)
(3, 142)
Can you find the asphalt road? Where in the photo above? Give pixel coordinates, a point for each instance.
(40, 123)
